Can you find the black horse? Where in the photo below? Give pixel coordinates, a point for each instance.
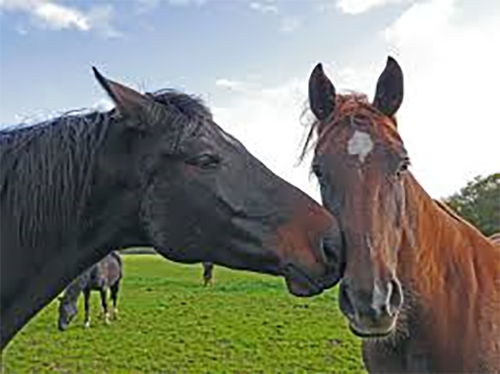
(103, 276)
(155, 171)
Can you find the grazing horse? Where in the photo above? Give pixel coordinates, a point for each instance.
(421, 285)
(155, 171)
(104, 275)
(208, 270)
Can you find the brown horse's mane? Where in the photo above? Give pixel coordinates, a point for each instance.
(350, 104)
(447, 209)
(441, 204)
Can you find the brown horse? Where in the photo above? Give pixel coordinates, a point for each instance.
(421, 285)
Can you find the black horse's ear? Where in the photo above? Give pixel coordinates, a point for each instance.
(321, 94)
(389, 93)
(128, 101)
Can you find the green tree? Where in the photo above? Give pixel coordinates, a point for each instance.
(479, 203)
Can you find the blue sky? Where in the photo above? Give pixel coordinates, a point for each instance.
(154, 44)
(250, 61)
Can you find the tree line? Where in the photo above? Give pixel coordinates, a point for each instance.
(479, 203)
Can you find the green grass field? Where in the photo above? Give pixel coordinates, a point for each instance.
(168, 322)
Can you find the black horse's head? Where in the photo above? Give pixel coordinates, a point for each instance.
(67, 311)
(201, 196)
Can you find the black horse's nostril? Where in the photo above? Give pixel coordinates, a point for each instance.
(345, 302)
(331, 250)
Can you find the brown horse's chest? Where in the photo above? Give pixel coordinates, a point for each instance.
(405, 355)
(436, 340)
(409, 356)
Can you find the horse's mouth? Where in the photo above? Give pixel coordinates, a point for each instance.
(300, 284)
(372, 332)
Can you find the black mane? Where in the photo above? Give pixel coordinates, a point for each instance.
(46, 169)
(190, 106)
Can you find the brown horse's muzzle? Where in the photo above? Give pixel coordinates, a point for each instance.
(371, 312)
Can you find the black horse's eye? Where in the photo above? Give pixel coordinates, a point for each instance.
(205, 161)
(316, 169)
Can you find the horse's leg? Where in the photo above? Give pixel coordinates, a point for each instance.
(114, 296)
(104, 303)
(86, 297)
(207, 273)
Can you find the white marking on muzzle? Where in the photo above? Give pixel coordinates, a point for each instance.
(379, 297)
(360, 145)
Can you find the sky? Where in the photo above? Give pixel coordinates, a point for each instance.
(250, 62)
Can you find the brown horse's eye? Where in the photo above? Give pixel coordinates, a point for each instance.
(403, 167)
(205, 161)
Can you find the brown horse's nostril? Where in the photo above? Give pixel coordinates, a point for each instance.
(396, 297)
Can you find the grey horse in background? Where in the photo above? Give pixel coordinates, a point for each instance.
(104, 275)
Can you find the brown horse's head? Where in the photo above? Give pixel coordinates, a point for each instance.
(360, 162)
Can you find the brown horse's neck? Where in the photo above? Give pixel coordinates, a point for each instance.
(437, 243)
(450, 275)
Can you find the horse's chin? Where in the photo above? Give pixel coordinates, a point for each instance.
(299, 284)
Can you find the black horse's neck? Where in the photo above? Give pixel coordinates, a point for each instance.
(60, 213)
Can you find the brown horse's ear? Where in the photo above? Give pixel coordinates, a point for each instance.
(321, 94)
(128, 102)
(389, 93)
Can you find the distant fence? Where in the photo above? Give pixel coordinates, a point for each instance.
(138, 251)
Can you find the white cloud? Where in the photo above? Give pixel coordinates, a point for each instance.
(264, 7)
(290, 24)
(60, 17)
(272, 122)
(53, 15)
(361, 6)
(144, 6)
(287, 23)
(231, 85)
(103, 105)
(101, 19)
(449, 115)
(449, 118)
(147, 5)
(436, 15)
(49, 13)
(267, 121)
(187, 2)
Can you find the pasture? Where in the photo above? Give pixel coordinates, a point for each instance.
(169, 322)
